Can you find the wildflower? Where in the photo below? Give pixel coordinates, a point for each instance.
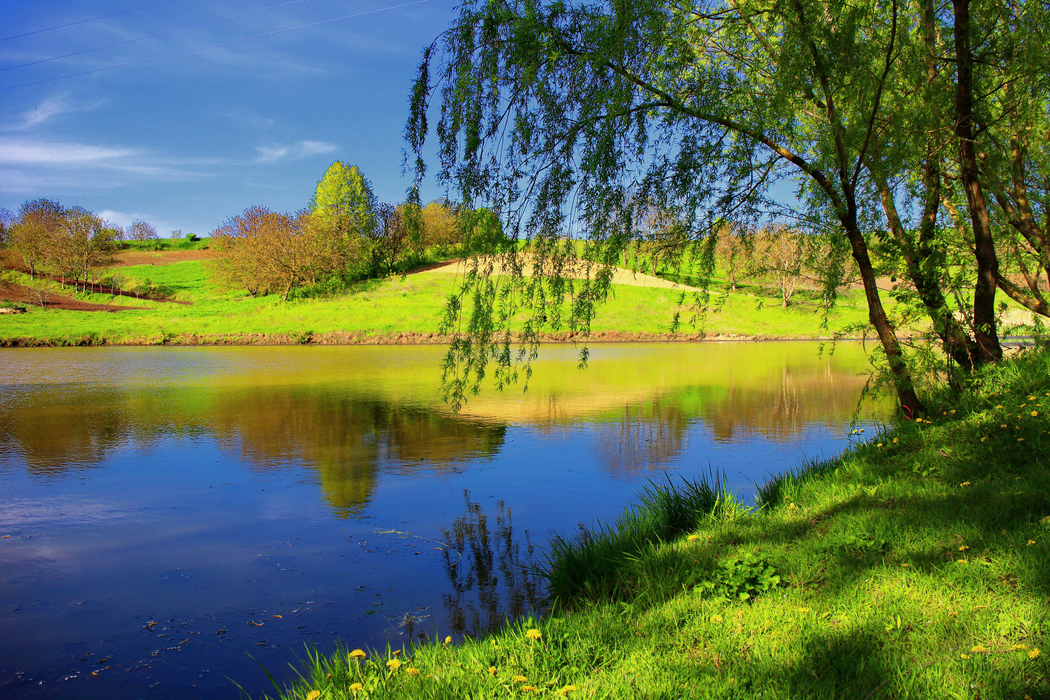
(715, 619)
(983, 439)
(1020, 439)
(1004, 425)
(1034, 654)
(393, 664)
(313, 695)
(1018, 647)
(879, 445)
(527, 689)
(965, 483)
(412, 671)
(492, 671)
(803, 610)
(693, 538)
(533, 634)
(567, 689)
(964, 656)
(448, 640)
(953, 411)
(998, 406)
(978, 648)
(356, 686)
(520, 679)
(1031, 542)
(905, 565)
(895, 441)
(963, 547)
(357, 654)
(1035, 413)
(1031, 398)
(961, 561)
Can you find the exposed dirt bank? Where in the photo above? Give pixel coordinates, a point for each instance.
(351, 338)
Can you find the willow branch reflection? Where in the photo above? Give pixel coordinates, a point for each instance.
(476, 559)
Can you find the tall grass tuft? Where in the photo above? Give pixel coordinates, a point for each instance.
(602, 562)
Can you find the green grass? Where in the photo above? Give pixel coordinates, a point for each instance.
(387, 307)
(916, 565)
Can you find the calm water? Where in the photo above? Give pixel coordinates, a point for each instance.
(167, 512)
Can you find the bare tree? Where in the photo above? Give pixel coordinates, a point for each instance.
(142, 231)
(7, 218)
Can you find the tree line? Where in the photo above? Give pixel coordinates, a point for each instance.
(916, 127)
(344, 234)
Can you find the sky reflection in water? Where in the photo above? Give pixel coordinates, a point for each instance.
(169, 511)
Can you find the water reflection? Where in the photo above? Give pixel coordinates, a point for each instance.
(477, 559)
(346, 439)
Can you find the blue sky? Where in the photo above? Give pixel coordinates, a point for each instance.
(184, 142)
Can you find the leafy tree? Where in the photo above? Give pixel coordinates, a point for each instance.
(554, 113)
(344, 206)
(266, 252)
(35, 232)
(83, 246)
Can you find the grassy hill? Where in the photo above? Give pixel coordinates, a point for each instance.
(393, 309)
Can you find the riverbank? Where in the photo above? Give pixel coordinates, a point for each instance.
(917, 564)
(394, 310)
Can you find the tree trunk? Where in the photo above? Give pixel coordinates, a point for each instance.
(985, 332)
(910, 403)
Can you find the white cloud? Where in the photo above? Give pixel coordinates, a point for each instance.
(29, 164)
(301, 149)
(54, 153)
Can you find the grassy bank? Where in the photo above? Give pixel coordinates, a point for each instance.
(395, 308)
(916, 565)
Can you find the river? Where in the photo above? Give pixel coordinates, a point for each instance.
(173, 520)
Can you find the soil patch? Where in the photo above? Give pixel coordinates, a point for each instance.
(25, 295)
(159, 257)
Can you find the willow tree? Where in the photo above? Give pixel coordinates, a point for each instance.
(558, 115)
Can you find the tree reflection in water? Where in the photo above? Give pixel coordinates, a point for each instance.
(492, 576)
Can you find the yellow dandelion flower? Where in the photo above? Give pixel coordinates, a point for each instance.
(964, 656)
(358, 654)
(961, 561)
(393, 664)
(879, 445)
(979, 648)
(448, 640)
(520, 679)
(1035, 413)
(895, 441)
(918, 420)
(1031, 398)
(313, 695)
(963, 547)
(953, 411)
(534, 634)
(1004, 425)
(693, 538)
(567, 689)
(1034, 654)
(715, 619)
(998, 406)
(1018, 647)
(412, 671)
(803, 610)
(732, 680)
(527, 689)
(492, 671)
(905, 565)
(1020, 439)
(356, 686)
(1031, 542)
(965, 483)
(983, 439)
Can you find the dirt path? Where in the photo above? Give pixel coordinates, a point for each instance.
(620, 275)
(26, 295)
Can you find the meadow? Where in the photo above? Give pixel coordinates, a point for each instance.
(404, 308)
